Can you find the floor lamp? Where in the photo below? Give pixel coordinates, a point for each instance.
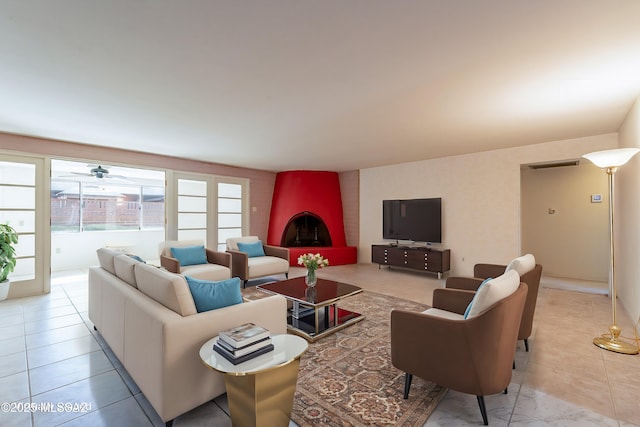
(610, 161)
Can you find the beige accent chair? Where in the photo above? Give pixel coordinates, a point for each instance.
(217, 268)
(472, 355)
(530, 273)
(275, 261)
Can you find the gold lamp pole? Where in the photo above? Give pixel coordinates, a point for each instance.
(610, 161)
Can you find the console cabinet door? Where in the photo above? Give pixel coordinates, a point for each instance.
(433, 262)
(417, 259)
(396, 257)
(380, 255)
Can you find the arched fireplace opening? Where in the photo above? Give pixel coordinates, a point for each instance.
(305, 229)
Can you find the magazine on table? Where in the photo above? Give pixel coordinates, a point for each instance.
(244, 335)
(235, 360)
(237, 352)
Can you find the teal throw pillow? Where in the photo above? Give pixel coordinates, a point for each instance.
(466, 312)
(136, 257)
(253, 249)
(189, 255)
(210, 295)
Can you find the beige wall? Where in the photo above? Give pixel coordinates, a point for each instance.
(627, 225)
(480, 192)
(573, 241)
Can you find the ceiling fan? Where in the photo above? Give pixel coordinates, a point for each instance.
(99, 172)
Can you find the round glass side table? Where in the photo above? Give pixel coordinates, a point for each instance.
(260, 391)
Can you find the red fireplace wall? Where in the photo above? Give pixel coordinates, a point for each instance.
(310, 191)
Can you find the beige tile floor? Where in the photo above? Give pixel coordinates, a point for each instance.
(50, 353)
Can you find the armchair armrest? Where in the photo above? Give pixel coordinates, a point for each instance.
(171, 264)
(488, 270)
(239, 264)
(221, 258)
(454, 300)
(467, 283)
(277, 251)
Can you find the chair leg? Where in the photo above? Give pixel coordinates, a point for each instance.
(483, 410)
(244, 283)
(169, 423)
(286, 275)
(514, 363)
(407, 384)
(526, 344)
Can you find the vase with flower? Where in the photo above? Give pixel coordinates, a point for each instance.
(312, 262)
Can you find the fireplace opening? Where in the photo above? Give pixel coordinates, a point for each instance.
(306, 229)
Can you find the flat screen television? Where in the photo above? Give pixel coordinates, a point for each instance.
(418, 220)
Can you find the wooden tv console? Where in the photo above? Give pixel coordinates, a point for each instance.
(418, 258)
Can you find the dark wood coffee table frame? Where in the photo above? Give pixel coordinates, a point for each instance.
(315, 313)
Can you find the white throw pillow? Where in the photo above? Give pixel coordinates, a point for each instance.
(522, 265)
(493, 291)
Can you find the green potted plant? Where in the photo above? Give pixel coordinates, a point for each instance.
(8, 238)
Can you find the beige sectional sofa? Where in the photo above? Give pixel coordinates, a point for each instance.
(148, 317)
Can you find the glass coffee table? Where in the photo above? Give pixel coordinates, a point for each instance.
(315, 312)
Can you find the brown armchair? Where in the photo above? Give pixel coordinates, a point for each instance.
(530, 273)
(472, 355)
(218, 266)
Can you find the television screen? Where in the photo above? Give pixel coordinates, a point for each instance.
(418, 220)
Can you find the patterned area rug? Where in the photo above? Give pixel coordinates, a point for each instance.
(347, 379)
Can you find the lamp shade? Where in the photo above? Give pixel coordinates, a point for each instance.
(611, 158)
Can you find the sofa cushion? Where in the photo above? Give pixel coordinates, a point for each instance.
(124, 266)
(207, 271)
(493, 291)
(209, 295)
(168, 289)
(232, 242)
(522, 265)
(105, 258)
(253, 249)
(267, 265)
(190, 255)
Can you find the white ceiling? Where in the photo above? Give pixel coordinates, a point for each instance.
(330, 85)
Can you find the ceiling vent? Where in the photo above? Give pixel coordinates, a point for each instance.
(555, 164)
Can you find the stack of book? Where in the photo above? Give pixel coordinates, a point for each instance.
(243, 343)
